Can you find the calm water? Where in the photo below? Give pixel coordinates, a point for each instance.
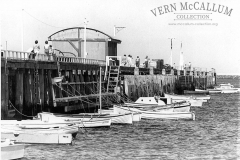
(213, 135)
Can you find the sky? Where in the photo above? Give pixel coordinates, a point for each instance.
(212, 43)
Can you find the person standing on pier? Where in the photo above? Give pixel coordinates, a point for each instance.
(124, 60)
(46, 49)
(52, 55)
(129, 61)
(36, 49)
(190, 66)
(137, 61)
(146, 62)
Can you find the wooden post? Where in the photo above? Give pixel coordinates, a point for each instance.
(77, 80)
(41, 88)
(19, 93)
(28, 92)
(50, 86)
(72, 87)
(4, 93)
(82, 86)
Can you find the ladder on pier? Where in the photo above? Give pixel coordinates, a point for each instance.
(113, 78)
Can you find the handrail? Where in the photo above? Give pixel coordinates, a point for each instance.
(19, 55)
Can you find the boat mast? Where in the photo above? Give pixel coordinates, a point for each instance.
(100, 91)
(22, 27)
(85, 32)
(171, 52)
(181, 65)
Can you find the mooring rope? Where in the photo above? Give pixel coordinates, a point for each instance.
(19, 111)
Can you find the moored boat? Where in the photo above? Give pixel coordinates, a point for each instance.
(136, 116)
(186, 97)
(115, 118)
(158, 114)
(211, 91)
(158, 103)
(227, 88)
(86, 122)
(196, 92)
(35, 134)
(10, 150)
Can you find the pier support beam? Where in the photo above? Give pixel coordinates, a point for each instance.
(19, 94)
(41, 88)
(4, 93)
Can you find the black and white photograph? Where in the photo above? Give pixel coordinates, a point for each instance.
(120, 79)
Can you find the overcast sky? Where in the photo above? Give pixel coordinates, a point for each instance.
(205, 46)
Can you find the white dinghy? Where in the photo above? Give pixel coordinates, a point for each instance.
(10, 150)
(39, 133)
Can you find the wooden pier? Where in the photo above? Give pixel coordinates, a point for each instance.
(28, 86)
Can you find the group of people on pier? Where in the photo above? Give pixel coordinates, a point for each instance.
(48, 50)
(128, 61)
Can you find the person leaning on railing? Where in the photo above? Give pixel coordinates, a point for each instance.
(35, 51)
(52, 53)
(46, 49)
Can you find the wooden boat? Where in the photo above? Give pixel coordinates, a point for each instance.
(203, 92)
(93, 123)
(115, 118)
(186, 97)
(193, 102)
(35, 134)
(10, 150)
(227, 88)
(136, 116)
(87, 122)
(158, 114)
(211, 91)
(158, 103)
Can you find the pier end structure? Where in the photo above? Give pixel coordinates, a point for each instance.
(71, 42)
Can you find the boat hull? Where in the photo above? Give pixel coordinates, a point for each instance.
(42, 138)
(211, 91)
(115, 118)
(60, 135)
(136, 116)
(14, 151)
(193, 102)
(159, 115)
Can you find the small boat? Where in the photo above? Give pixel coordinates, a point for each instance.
(227, 88)
(126, 118)
(115, 118)
(136, 116)
(186, 97)
(10, 150)
(33, 133)
(165, 104)
(211, 91)
(158, 114)
(203, 92)
(86, 122)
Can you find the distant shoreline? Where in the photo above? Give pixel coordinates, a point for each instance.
(228, 76)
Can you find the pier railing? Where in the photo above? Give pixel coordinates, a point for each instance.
(18, 55)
